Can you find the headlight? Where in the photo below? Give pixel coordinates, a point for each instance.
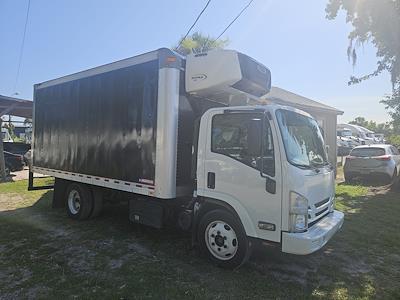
(298, 213)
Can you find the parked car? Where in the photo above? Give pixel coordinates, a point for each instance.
(380, 137)
(344, 146)
(14, 162)
(346, 134)
(379, 161)
(17, 148)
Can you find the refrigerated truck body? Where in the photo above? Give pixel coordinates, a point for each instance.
(167, 134)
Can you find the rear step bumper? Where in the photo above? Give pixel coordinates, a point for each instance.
(315, 237)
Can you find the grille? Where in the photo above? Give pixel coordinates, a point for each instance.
(320, 203)
(317, 211)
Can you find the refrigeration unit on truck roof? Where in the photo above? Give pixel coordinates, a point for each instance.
(226, 76)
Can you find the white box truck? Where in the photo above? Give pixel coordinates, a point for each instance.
(175, 137)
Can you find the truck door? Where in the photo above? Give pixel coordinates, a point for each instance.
(236, 172)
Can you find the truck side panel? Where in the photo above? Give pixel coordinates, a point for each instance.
(102, 125)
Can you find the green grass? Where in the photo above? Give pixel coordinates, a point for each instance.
(43, 254)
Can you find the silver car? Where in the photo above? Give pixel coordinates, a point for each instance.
(379, 161)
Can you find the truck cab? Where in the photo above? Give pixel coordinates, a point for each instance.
(267, 165)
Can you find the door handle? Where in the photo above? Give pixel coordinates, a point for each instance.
(211, 180)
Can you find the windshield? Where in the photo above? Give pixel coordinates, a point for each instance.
(304, 144)
(367, 152)
(346, 133)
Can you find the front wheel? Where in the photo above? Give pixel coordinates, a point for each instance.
(222, 238)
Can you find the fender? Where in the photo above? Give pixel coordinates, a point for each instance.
(233, 205)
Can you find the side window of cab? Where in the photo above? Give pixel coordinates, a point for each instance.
(239, 136)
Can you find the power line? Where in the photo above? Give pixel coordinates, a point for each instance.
(233, 21)
(22, 46)
(191, 27)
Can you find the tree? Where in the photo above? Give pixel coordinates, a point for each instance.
(376, 22)
(197, 43)
(359, 121)
(10, 128)
(385, 128)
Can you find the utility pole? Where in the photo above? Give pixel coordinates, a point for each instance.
(2, 162)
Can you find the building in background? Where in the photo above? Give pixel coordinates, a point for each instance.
(325, 115)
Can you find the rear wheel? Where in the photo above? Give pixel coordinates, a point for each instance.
(348, 179)
(97, 202)
(79, 201)
(223, 240)
(395, 178)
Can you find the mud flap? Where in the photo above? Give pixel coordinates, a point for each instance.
(59, 199)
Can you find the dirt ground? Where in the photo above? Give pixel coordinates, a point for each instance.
(22, 175)
(43, 254)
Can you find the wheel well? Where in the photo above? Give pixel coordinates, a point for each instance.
(206, 205)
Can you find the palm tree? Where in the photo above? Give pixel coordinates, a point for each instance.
(198, 43)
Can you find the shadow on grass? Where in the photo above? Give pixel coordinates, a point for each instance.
(9, 178)
(367, 182)
(106, 253)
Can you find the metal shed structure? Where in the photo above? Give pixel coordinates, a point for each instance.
(325, 115)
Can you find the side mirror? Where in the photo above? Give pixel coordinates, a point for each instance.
(270, 185)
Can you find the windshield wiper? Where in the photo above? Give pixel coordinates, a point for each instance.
(303, 166)
(322, 164)
(318, 164)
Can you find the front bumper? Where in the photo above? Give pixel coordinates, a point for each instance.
(315, 237)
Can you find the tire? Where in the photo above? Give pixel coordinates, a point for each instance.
(79, 201)
(97, 202)
(395, 178)
(348, 179)
(397, 184)
(10, 169)
(7, 171)
(223, 240)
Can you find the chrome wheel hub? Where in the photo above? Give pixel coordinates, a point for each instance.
(74, 202)
(221, 240)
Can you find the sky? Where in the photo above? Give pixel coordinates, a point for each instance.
(305, 52)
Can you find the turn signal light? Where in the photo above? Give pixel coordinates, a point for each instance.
(171, 59)
(383, 157)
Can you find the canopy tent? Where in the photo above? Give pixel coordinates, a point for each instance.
(15, 107)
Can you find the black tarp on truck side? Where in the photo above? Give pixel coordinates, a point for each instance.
(102, 125)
